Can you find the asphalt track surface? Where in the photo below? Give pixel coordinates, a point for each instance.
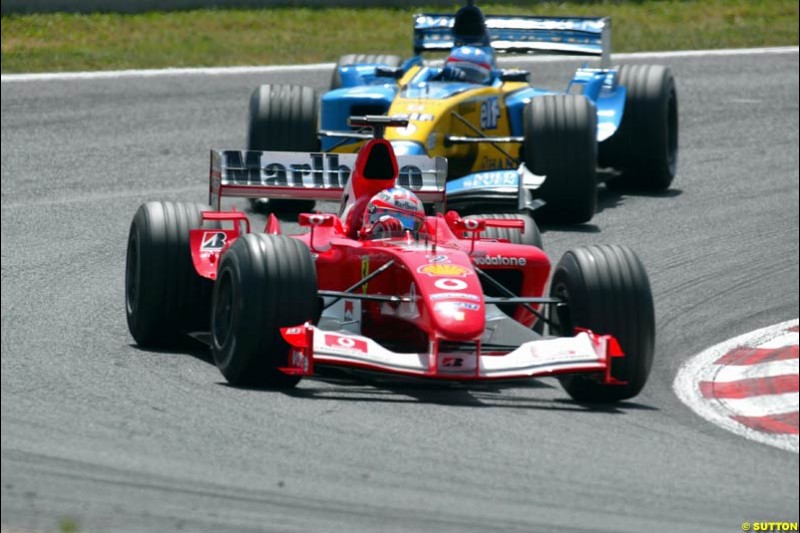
(116, 438)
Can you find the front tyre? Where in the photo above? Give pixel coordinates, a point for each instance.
(561, 143)
(606, 290)
(265, 282)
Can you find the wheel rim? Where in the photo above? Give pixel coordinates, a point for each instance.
(132, 274)
(222, 316)
(561, 318)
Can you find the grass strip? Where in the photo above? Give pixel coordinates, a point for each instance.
(210, 37)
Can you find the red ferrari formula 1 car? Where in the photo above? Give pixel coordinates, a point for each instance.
(381, 286)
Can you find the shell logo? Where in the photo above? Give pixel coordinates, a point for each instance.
(443, 269)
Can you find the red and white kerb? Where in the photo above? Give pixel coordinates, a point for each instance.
(748, 385)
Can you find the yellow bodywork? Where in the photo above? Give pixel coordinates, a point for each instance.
(431, 120)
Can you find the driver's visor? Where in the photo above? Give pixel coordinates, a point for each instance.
(410, 221)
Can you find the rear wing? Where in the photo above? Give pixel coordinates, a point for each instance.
(519, 34)
(310, 176)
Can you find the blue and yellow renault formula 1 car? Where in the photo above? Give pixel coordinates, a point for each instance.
(509, 146)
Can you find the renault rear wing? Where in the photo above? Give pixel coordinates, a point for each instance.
(520, 34)
(310, 176)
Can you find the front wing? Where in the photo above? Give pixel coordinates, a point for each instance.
(586, 352)
(510, 190)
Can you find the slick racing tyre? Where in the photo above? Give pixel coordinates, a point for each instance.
(560, 143)
(645, 148)
(283, 118)
(164, 296)
(606, 290)
(265, 282)
(529, 236)
(368, 59)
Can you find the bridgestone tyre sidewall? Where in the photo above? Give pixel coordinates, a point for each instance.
(268, 282)
(645, 148)
(368, 59)
(561, 143)
(608, 291)
(529, 236)
(164, 295)
(284, 118)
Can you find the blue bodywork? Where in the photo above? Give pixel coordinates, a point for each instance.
(363, 93)
(505, 180)
(339, 104)
(598, 85)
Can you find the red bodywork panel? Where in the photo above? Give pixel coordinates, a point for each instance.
(435, 274)
(441, 315)
(208, 245)
(439, 270)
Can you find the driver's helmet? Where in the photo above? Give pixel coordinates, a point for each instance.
(393, 210)
(475, 62)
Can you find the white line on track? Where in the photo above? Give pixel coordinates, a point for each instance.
(218, 71)
(97, 197)
(697, 369)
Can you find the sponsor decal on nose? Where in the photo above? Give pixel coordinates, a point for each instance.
(444, 270)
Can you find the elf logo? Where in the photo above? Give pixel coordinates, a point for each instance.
(490, 113)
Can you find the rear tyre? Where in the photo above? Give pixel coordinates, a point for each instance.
(283, 118)
(371, 59)
(645, 148)
(606, 289)
(529, 236)
(561, 144)
(265, 282)
(164, 296)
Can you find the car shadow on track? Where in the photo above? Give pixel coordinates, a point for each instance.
(606, 199)
(544, 227)
(185, 346)
(336, 385)
(503, 395)
(612, 198)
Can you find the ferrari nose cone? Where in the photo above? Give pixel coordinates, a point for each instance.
(459, 320)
